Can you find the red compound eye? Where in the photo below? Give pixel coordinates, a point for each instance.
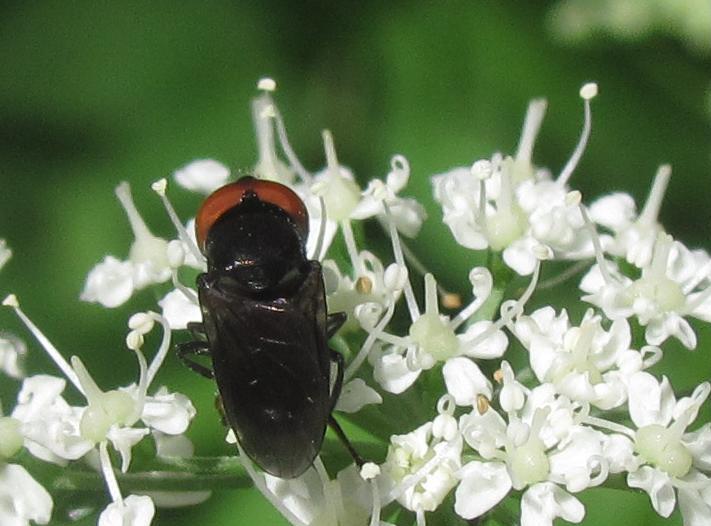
(229, 196)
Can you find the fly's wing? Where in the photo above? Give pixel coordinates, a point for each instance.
(271, 363)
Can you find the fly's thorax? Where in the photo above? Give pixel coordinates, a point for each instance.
(258, 244)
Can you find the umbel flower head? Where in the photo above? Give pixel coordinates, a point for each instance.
(508, 205)
(54, 431)
(476, 405)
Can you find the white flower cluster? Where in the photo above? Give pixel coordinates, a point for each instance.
(551, 438)
(585, 407)
(54, 431)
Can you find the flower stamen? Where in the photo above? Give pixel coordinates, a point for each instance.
(296, 165)
(587, 92)
(482, 283)
(50, 349)
(108, 471)
(597, 246)
(373, 336)
(349, 239)
(400, 260)
(158, 359)
(160, 187)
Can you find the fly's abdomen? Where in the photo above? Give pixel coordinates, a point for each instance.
(274, 389)
(264, 314)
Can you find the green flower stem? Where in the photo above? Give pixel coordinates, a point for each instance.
(160, 474)
(166, 474)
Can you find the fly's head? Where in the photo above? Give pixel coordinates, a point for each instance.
(256, 231)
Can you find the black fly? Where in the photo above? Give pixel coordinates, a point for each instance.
(264, 317)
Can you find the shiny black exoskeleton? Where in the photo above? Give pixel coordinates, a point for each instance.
(266, 326)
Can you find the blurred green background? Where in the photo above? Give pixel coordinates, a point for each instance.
(93, 93)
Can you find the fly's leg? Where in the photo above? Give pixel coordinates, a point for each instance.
(334, 322)
(335, 393)
(196, 348)
(344, 439)
(197, 329)
(219, 406)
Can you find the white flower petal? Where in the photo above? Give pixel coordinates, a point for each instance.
(611, 392)
(355, 395)
(50, 425)
(692, 404)
(520, 256)
(203, 175)
(512, 396)
(543, 502)
(399, 174)
(38, 394)
(179, 310)
(356, 494)
(657, 485)
(391, 372)
(683, 332)
(408, 216)
(542, 355)
(465, 381)
(577, 386)
(572, 464)
(22, 499)
(5, 253)
(618, 450)
(458, 193)
(438, 483)
(614, 342)
(135, 511)
(123, 439)
(109, 283)
(695, 504)
(593, 280)
(167, 412)
(636, 243)
(12, 353)
(561, 421)
(172, 445)
(699, 445)
(483, 486)
(368, 206)
(614, 211)
(493, 346)
(485, 433)
(415, 442)
(302, 496)
(668, 324)
(650, 402)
